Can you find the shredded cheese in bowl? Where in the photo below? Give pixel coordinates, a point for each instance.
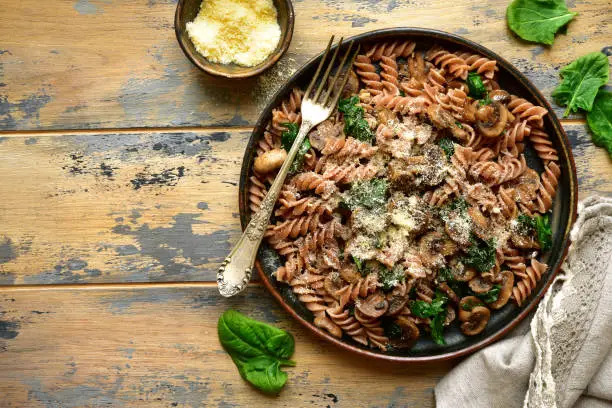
(243, 32)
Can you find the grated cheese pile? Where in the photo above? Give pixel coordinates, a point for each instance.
(244, 32)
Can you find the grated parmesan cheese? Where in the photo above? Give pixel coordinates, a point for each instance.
(244, 32)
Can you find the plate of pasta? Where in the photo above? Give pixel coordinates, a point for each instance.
(428, 215)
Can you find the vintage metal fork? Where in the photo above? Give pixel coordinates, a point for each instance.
(317, 105)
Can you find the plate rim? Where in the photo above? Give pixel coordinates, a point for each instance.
(566, 151)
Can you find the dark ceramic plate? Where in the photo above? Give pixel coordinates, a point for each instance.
(564, 209)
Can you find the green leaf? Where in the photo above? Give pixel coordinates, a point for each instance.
(389, 278)
(526, 224)
(369, 194)
(490, 296)
(287, 139)
(354, 123)
(544, 231)
(445, 275)
(476, 86)
(581, 80)
(257, 349)
(469, 305)
(600, 120)
(436, 310)
(448, 147)
(538, 20)
(289, 135)
(480, 255)
(437, 328)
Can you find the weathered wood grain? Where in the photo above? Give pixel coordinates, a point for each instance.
(159, 347)
(143, 206)
(98, 64)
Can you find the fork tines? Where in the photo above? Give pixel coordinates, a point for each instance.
(323, 98)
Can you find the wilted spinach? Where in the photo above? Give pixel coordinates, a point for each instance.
(436, 311)
(481, 254)
(354, 123)
(544, 231)
(369, 194)
(287, 139)
(448, 147)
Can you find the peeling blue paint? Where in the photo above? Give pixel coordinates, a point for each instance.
(7, 250)
(8, 330)
(127, 352)
(202, 205)
(75, 396)
(461, 31)
(69, 271)
(86, 7)
(22, 112)
(124, 250)
(30, 141)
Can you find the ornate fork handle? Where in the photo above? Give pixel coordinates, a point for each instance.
(235, 272)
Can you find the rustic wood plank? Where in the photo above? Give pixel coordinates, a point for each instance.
(126, 69)
(158, 347)
(143, 206)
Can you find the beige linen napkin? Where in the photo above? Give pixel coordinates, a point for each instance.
(563, 357)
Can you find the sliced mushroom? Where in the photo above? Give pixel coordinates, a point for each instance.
(479, 285)
(440, 117)
(350, 274)
(449, 292)
(374, 305)
(397, 299)
(466, 304)
(352, 86)
(327, 130)
(491, 119)
(270, 161)
(430, 247)
(507, 279)
(410, 333)
(450, 315)
(463, 273)
(332, 283)
(477, 321)
(385, 115)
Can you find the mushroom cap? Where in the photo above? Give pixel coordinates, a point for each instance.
(491, 119)
(477, 321)
(463, 274)
(449, 292)
(466, 305)
(410, 333)
(397, 298)
(271, 160)
(350, 274)
(326, 130)
(479, 285)
(440, 117)
(450, 315)
(499, 95)
(505, 291)
(373, 306)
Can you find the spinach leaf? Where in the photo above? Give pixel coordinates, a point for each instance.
(257, 349)
(287, 139)
(481, 254)
(289, 135)
(420, 308)
(544, 231)
(476, 86)
(458, 203)
(469, 305)
(526, 224)
(354, 123)
(538, 20)
(600, 120)
(389, 278)
(361, 268)
(492, 295)
(445, 275)
(369, 194)
(437, 328)
(392, 329)
(436, 310)
(448, 147)
(581, 80)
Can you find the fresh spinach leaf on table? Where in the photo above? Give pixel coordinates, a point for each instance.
(538, 20)
(600, 120)
(581, 81)
(257, 349)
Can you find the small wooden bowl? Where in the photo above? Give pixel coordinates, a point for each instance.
(187, 10)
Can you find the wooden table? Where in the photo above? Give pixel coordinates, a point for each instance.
(118, 184)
